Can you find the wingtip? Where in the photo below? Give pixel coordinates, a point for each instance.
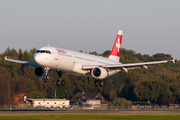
(5, 57)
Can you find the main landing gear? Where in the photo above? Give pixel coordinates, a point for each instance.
(98, 83)
(60, 81)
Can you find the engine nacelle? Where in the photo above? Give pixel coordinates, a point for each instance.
(39, 71)
(99, 73)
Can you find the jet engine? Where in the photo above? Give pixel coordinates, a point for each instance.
(99, 73)
(39, 71)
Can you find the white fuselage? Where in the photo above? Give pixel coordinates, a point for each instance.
(77, 63)
(69, 61)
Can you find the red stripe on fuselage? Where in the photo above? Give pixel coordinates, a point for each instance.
(61, 51)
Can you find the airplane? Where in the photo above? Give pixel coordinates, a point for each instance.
(49, 58)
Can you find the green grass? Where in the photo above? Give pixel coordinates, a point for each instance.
(90, 116)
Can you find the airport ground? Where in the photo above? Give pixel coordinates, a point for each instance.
(92, 114)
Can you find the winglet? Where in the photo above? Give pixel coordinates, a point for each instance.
(5, 57)
(173, 60)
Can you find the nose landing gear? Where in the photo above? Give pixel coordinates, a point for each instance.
(47, 70)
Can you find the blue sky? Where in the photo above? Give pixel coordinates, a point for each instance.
(150, 26)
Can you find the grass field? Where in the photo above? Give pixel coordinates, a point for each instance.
(90, 116)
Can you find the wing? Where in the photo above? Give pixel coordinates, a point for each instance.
(125, 67)
(20, 61)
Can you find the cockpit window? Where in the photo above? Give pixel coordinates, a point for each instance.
(48, 52)
(43, 51)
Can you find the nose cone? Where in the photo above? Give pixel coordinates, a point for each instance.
(38, 59)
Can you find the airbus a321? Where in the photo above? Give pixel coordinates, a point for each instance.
(76, 63)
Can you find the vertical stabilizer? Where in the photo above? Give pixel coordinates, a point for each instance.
(116, 50)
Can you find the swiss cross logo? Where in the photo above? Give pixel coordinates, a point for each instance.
(118, 45)
(116, 50)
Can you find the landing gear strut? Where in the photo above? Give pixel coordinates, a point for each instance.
(98, 83)
(60, 81)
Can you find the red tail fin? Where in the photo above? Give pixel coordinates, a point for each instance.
(116, 50)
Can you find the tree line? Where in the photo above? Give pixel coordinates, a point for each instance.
(158, 84)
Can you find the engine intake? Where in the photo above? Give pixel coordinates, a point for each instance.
(39, 71)
(99, 73)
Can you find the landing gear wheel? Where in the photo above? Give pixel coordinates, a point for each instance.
(46, 77)
(101, 83)
(63, 82)
(58, 83)
(96, 83)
